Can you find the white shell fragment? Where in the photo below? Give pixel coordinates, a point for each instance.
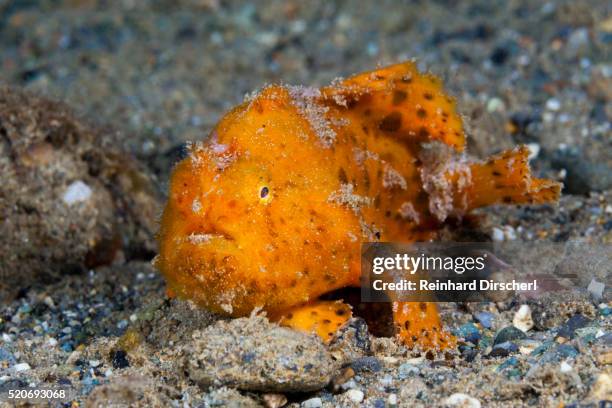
(77, 192)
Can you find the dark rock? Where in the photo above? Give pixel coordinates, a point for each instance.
(559, 353)
(469, 354)
(379, 403)
(469, 332)
(119, 359)
(507, 334)
(371, 364)
(499, 55)
(511, 362)
(568, 330)
(503, 349)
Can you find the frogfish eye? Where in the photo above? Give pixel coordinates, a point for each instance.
(263, 193)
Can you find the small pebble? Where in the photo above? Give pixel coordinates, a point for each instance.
(312, 403)
(369, 363)
(392, 400)
(77, 192)
(534, 150)
(560, 352)
(522, 319)
(564, 367)
(469, 332)
(379, 403)
(596, 289)
(503, 349)
(511, 362)
(527, 346)
(349, 385)
(386, 380)
(495, 105)
(497, 235)
(463, 401)
(602, 388)
(407, 370)
(604, 358)
(507, 334)
(355, 395)
(6, 355)
(94, 363)
(485, 319)
(568, 329)
(21, 367)
(553, 104)
(274, 400)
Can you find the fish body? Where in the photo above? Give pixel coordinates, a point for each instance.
(271, 211)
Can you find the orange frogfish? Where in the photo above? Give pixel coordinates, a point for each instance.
(271, 210)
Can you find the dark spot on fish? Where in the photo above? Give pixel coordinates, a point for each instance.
(423, 133)
(507, 199)
(407, 324)
(399, 97)
(428, 96)
(391, 123)
(340, 312)
(423, 306)
(326, 321)
(421, 113)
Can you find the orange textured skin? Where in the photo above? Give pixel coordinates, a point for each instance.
(271, 211)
